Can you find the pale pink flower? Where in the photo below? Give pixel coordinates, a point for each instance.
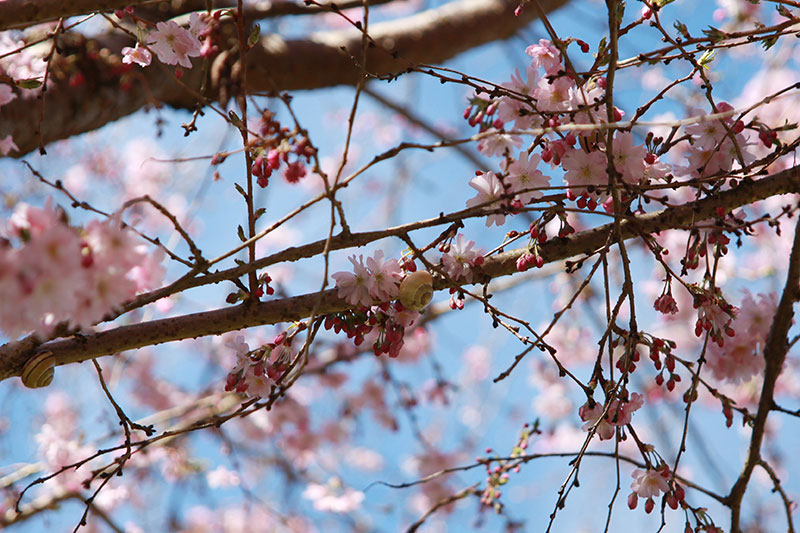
(584, 170)
(333, 498)
(221, 477)
(386, 277)
(629, 158)
(649, 483)
(33, 221)
(742, 357)
(149, 272)
(545, 55)
(524, 176)
(139, 55)
(355, 287)
(657, 170)
(619, 413)
(498, 143)
(515, 110)
(490, 189)
(460, 257)
(174, 44)
(591, 416)
(737, 361)
(554, 94)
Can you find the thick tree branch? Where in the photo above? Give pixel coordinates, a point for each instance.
(17, 14)
(23, 13)
(275, 64)
(82, 348)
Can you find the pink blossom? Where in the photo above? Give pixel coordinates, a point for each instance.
(628, 158)
(584, 170)
(666, 304)
(355, 287)
(64, 276)
(591, 416)
(524, 176)
(498, 143)
(490, 189)
(139, 55)
(649, 483)
(459, 259)
(545, 55)
(221, 477)
(742, 357)
(174, 44)
(510, 109)
(619, 413)
(386, 276)
(333, 497)
(554, 94)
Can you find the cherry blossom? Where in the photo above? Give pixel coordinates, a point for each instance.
(524, 176)
(628, 158)
(545, 55)
(355, 287)
(647, 484)
(498, 143)
(174, 44)
(490, 189)
(583, 171)
(619, 414)
(333, 497)
(139, 55)
(460, 258)
(510, 109)
(386, 277)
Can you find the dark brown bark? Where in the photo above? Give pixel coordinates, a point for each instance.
(274, 64)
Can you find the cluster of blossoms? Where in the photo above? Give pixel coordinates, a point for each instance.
(742, 357)
(713, 149)
(659, 347)
(550, 100)
(257, 371)
(650, 484)
(173, 44)
(714, 315)
(275, 146)
(64, 274)
(377, 281)
(618, 414)
(387, 322)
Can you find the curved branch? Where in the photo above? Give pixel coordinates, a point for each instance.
(324, 59)
(13, 356)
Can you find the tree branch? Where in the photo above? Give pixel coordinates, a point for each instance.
(775, 350)
(14, 355)
(324, 59)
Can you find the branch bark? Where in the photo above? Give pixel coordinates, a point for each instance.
(324, 59)
(775, 350)
(13, 356)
